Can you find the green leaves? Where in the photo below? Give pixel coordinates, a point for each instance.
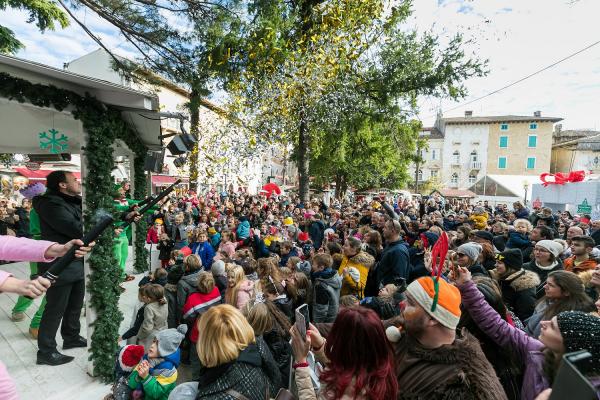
(46, 14)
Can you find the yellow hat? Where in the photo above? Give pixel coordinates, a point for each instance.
(288, 221)
(212, 231)
(158, 221)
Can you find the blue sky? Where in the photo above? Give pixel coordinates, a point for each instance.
(517, 37)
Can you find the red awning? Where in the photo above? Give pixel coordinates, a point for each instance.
(163, 180)
(40, 175)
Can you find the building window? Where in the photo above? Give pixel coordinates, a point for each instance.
(472, 179)
(530, 162)
(433, 154)
(454, 178)
(501, 162)
(532, 141)
(473, 156)
(533, 126)
(503, 142)
(456, 157)
(434, 174)
(420, 175)
(503, 127)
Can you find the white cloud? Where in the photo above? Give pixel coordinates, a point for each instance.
(522, 37)
(517, 37)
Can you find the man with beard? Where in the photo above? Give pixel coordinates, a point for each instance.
(59, 211)
(432, 360)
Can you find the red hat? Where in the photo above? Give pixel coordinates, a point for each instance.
(130, 356)
(303, 237)
(186, 251)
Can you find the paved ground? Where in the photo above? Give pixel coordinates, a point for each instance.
(65, 382)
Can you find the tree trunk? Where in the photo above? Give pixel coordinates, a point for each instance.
(303, 162)
(338, 186)
(194, 108)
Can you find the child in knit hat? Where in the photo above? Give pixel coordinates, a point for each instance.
(479, 218)
(155, 376)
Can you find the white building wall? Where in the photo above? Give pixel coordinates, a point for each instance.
(97, 64)
(465, 139)
(432, 159)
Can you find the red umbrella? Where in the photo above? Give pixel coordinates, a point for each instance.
(271, 188)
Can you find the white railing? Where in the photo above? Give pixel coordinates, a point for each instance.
(475, 164)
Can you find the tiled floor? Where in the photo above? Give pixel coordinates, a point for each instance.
(65, 382)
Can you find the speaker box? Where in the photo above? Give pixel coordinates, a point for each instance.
(179, 162)
(154, 161)
(181, 144)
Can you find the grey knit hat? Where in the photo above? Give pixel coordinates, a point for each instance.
(218, 268)
(170, 339)
(470, 249)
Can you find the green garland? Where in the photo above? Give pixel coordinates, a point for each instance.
(103, 125)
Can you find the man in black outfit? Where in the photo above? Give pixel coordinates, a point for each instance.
(60, 214)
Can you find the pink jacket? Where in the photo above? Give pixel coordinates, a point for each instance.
(7, 385)
(23, 249)
(244, 294)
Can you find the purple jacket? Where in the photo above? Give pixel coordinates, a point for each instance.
(527, 348)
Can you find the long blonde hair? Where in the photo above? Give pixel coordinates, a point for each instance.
(224, 334)
(239, 277)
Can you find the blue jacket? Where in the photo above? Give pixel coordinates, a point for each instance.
(243, 230)
(517, 240)
(316, 231)
(206, 253)
(215, 240)
(394, 264)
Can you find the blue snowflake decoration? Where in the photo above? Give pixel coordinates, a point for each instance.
(54, 142)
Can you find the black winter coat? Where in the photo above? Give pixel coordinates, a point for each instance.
(518, 292)
(316, 231)
(60, 221)
(542, 274)
(253, 375)
(282, 353)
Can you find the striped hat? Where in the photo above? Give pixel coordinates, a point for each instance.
(447, 309)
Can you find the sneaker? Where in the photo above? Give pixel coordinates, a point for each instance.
(34, 332)
(17, 316)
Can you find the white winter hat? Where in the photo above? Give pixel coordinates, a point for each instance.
(553, 247)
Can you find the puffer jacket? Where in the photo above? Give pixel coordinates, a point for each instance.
(186, 286)
(244, 294)
(254, 375)
(282, 353)
(326, 295)
(518, 291)
(363, 262)
(528, 349)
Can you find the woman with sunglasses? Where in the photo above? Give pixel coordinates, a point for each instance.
(467, 256)
(517, 284)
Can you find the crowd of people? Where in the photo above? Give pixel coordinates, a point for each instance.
(519, 289)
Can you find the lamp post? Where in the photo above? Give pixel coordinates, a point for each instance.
(525, 188)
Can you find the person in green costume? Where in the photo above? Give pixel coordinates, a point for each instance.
(23, 303)
(121, 240)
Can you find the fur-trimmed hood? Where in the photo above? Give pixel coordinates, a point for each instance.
(586, 277)
(456, 371)
(520, 280)
(363, 258)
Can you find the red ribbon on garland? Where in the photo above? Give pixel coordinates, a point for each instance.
(562, 178)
